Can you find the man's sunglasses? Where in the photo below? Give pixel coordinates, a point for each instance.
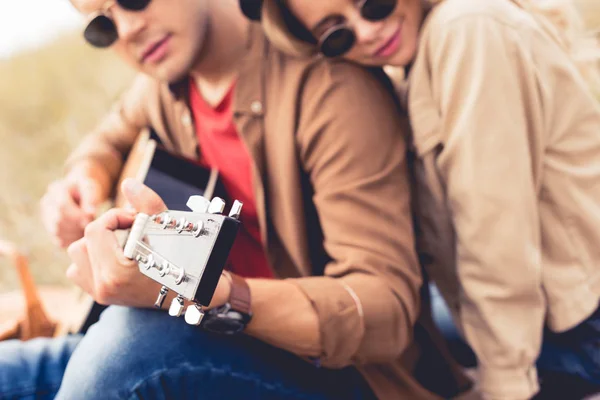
(339, 38)
(101, 31)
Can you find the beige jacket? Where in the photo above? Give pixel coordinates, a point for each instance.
(332, 192)
(507, 137)
(507, 143)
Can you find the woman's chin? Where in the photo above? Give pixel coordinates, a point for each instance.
(402, 57)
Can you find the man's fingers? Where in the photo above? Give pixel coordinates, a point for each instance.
(142, 198)
(61, 215)
(112, 220)
(89, 195)
(80, 271)
(78, 253)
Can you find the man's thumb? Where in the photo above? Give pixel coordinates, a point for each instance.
(141, 197)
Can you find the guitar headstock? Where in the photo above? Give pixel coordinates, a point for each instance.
(185, 251)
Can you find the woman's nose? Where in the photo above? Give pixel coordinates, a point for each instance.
(366, 31)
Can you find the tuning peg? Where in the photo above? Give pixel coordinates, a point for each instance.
(141, 259)
(236, 209)
(146, 262)
(194, 314)
(159, 218)
(161, 297)
(176, 308)
(178, 274)
(198, 204)
(217, 205)
(181, 225)
(168, 222)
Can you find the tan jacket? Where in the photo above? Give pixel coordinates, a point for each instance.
(508, 142)
(507, 139)
(332, 192)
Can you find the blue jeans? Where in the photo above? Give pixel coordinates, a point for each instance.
(574, 353)
(145, 354)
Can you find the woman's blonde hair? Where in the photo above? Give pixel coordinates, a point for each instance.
(565, 19)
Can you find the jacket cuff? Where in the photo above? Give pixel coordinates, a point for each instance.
(508, 384)
(341, 322)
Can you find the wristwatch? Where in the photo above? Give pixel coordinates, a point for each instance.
(233, 316)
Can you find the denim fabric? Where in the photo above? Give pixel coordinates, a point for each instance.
(146, 354)
(574, 353)
(34, 370)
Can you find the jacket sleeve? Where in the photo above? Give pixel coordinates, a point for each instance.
(482, 81)
(354, 150)
(112, 139)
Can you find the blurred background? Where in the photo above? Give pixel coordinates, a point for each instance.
(53, 89)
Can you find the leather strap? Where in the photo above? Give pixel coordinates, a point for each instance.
(239, 297)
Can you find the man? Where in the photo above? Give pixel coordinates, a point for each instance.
(313, 151)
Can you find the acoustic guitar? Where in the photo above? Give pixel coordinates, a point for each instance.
(185, 248)
(176, 179)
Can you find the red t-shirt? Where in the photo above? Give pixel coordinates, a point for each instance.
(223, 149)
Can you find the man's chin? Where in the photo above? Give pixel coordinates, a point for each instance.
(167, 73)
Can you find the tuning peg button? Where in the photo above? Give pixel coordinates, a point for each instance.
(177, 306)
(198, 204)
(236, 209)
(194, 314)
(217, 205)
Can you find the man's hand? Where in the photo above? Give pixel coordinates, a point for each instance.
(71, 203)
(102, 270)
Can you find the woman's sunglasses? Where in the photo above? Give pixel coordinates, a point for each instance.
(101, 31)
(339, 38)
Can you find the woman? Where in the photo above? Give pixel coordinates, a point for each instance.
(506, 138)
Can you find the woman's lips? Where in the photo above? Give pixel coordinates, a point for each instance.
(157, 51)
(390, 46)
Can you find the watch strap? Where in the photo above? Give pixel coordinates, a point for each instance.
(239, 296)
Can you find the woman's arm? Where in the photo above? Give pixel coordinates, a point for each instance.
(483, 80)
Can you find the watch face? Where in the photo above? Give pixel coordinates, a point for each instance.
(224, 320)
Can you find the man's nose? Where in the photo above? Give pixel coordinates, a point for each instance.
(129, 24)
